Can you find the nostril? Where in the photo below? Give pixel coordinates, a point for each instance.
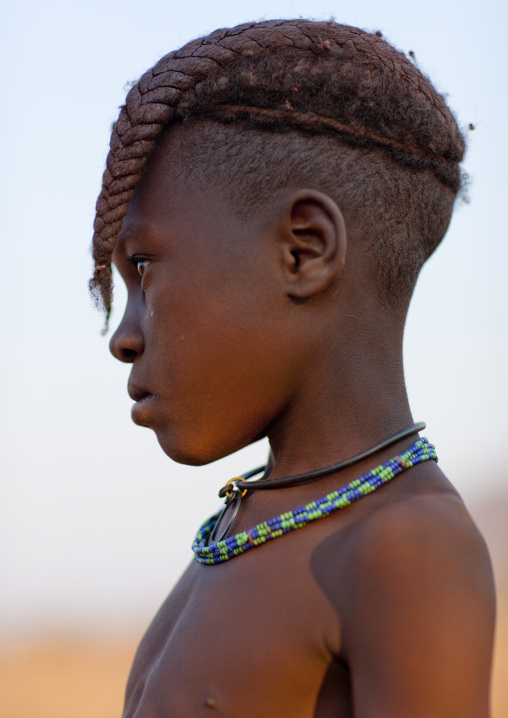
(129, 354)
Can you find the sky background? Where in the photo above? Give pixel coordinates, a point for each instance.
(95, 521)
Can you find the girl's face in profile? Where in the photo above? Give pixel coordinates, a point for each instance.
(202, 326)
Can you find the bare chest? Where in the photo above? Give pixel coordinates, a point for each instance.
(250, 637)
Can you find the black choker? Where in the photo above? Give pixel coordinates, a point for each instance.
(237, 487)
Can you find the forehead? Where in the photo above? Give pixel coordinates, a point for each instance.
(173, 210)
(166, 198)
(188, 190)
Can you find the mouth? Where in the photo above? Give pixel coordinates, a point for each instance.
(136, 393)
(140, 410)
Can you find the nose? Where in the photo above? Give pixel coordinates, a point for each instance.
(127, 343)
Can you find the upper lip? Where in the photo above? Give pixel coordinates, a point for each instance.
(137, 393)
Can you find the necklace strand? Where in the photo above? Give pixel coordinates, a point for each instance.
(239, 483)
(236, 488)
(273, 528)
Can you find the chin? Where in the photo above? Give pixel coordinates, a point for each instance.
(191, 453)
(197, 452)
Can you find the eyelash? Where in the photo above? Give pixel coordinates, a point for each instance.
(136, 261)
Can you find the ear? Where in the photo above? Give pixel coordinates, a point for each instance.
(314, 243)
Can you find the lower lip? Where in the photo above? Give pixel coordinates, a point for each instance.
(141, 410)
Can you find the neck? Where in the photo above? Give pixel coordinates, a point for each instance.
(344, 404)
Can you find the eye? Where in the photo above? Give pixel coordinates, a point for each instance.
(141, 266)
(139, 263)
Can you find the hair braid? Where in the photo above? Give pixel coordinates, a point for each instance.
(319, 77)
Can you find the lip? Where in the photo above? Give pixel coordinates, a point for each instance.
(140, 410)
(137, 393)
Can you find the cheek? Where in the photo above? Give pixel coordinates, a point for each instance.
(218, 358)
(198, 320)
(219, 389)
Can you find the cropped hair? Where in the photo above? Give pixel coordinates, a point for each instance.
(314, 102)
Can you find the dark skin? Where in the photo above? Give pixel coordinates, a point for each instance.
(239, 329)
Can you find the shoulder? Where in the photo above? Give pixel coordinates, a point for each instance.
(433, 532)
(418, 621)
(421, 548)
(421, 607)
(406, 540)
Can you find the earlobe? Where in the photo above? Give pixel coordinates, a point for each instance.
(315, 243)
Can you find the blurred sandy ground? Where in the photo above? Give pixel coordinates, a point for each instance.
(64, 678)
(500, 682)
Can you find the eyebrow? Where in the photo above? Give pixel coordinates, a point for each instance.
(131, 232)
(125, 235)
(119, 253)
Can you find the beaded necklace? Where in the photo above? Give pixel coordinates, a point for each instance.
(236, 488)
(220, 551)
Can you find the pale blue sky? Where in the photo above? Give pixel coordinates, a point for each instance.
(96, 522)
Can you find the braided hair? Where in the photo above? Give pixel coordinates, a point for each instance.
(307, 81)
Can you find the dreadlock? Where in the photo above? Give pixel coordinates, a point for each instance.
(299, 81)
